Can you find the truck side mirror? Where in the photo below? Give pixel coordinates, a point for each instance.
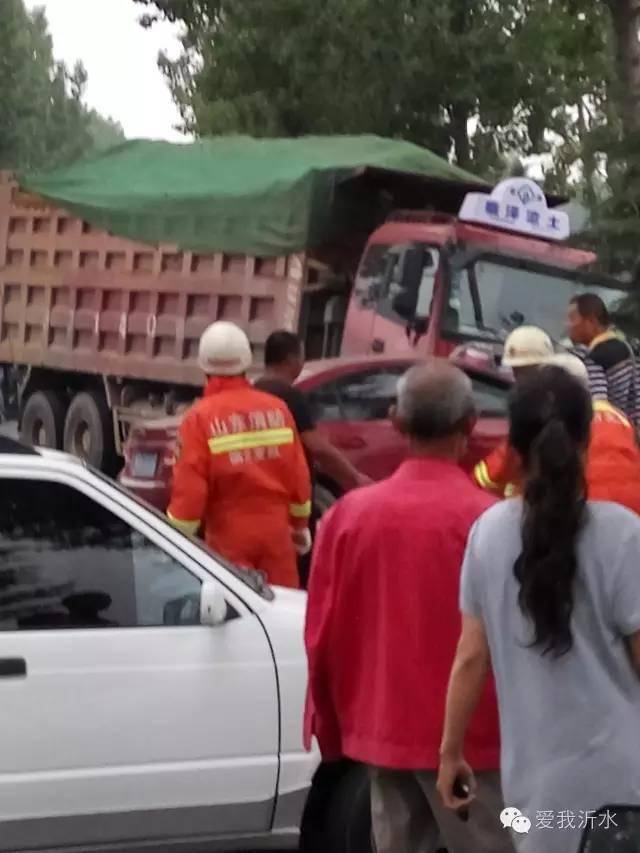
(213, 604)
(405, 300)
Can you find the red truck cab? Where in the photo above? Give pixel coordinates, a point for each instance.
(428, 282)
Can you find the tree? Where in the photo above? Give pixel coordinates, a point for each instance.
(482, 81)
(615, 207)
(44, 120)
(104, 132)
(625, 19)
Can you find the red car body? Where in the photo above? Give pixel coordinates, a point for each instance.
(350, 398)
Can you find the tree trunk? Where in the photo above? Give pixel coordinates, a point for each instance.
(460, 134)
(625, 15)
(588, 157)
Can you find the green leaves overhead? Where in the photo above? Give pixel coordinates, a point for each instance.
(44, 122)
(483, 81)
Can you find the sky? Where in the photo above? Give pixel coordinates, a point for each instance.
(120, 57)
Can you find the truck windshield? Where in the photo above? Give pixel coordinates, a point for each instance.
(488, 298)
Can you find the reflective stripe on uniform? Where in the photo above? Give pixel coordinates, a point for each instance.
(188, 527)
(300, 510)
(602, 407)
(249, 440)
(481, 474)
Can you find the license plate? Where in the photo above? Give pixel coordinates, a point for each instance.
(144, 465)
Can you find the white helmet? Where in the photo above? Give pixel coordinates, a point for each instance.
(573, 365)
(527, 346)
(224, 350)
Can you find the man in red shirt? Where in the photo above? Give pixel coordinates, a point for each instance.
(383, 625)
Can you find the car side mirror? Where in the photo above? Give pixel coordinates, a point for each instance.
(213, 604)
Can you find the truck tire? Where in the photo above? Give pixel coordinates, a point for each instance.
(348, 822)
(88, 431)
(338, 813)
(349, 816)
(337, 817)
(42, 422)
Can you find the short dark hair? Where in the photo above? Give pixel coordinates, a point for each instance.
(280, 346)
(591, 306)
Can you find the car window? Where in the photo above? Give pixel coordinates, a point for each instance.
(492, 400)
(367, 396)
(324, 403)
(68, 562)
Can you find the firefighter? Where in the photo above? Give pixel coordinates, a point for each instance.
(526, 348)
(240, 474)
(612, 468)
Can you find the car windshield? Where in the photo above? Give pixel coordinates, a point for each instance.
(255, 580)
(489, 298)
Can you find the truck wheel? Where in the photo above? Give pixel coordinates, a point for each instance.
(88, 431)
(42, 423)
(338, 813)
(349, 815)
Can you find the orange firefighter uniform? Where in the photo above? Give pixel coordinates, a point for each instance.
(613, 462)
(241, 475)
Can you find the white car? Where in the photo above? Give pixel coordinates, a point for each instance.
(151, 696)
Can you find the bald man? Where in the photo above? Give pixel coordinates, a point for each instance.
(383, 624)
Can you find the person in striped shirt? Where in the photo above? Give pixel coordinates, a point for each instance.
(589, 325)
(598, 385)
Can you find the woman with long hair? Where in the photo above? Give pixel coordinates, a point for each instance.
(550, 596)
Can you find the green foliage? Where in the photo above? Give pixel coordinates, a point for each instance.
(615, 214)
(104, 132)
(487, 82)
(44, 121)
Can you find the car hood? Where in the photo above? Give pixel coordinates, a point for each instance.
(292, 600)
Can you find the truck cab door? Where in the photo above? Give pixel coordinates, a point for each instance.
(404, 303)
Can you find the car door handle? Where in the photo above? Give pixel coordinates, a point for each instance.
(351, 442)
(13, 667)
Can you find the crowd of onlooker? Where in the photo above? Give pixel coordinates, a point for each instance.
(477, 648)
(478, 653)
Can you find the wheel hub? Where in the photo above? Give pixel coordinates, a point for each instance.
(82, 440)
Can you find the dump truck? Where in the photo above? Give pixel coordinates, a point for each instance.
(104, 330)
(111, 269)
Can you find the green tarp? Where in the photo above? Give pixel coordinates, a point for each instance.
(242, 195)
